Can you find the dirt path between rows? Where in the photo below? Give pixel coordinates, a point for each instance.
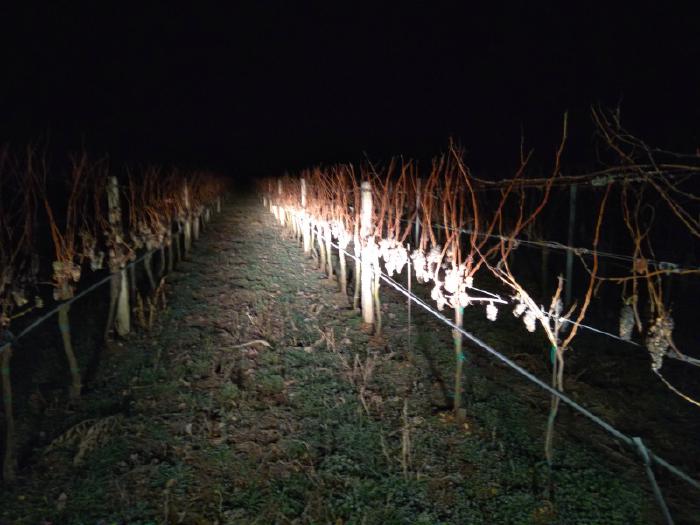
(259, 398)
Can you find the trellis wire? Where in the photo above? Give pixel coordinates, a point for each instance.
(55, 310)
(595, 179)
(499, 298)
(644, 453)
(552, 244)
(669, 267)
(630, 441)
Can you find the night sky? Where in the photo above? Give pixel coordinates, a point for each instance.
(265, 86)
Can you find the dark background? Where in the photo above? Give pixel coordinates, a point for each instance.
(267, 86)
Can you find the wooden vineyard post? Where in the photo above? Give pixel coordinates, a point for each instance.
(195, 226)
(123, 319)
(188, 224)
(306, 225)
(171, 249)
(269, 194)
(342, 262)
(329, 251)
(131, 272)
(321, 249)
(9, 461)
(459, 364)
(300, 228)
(279, 202)
(120, 286)
(357, 248)
(343, 278)
(411, 356)
(195, 218)
(366, 274)
(376, 298)
(177, 240)
(293, 220)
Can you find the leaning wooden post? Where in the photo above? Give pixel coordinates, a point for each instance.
(118, 262)
(306, 226)
(366, 274)
(9, 460)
